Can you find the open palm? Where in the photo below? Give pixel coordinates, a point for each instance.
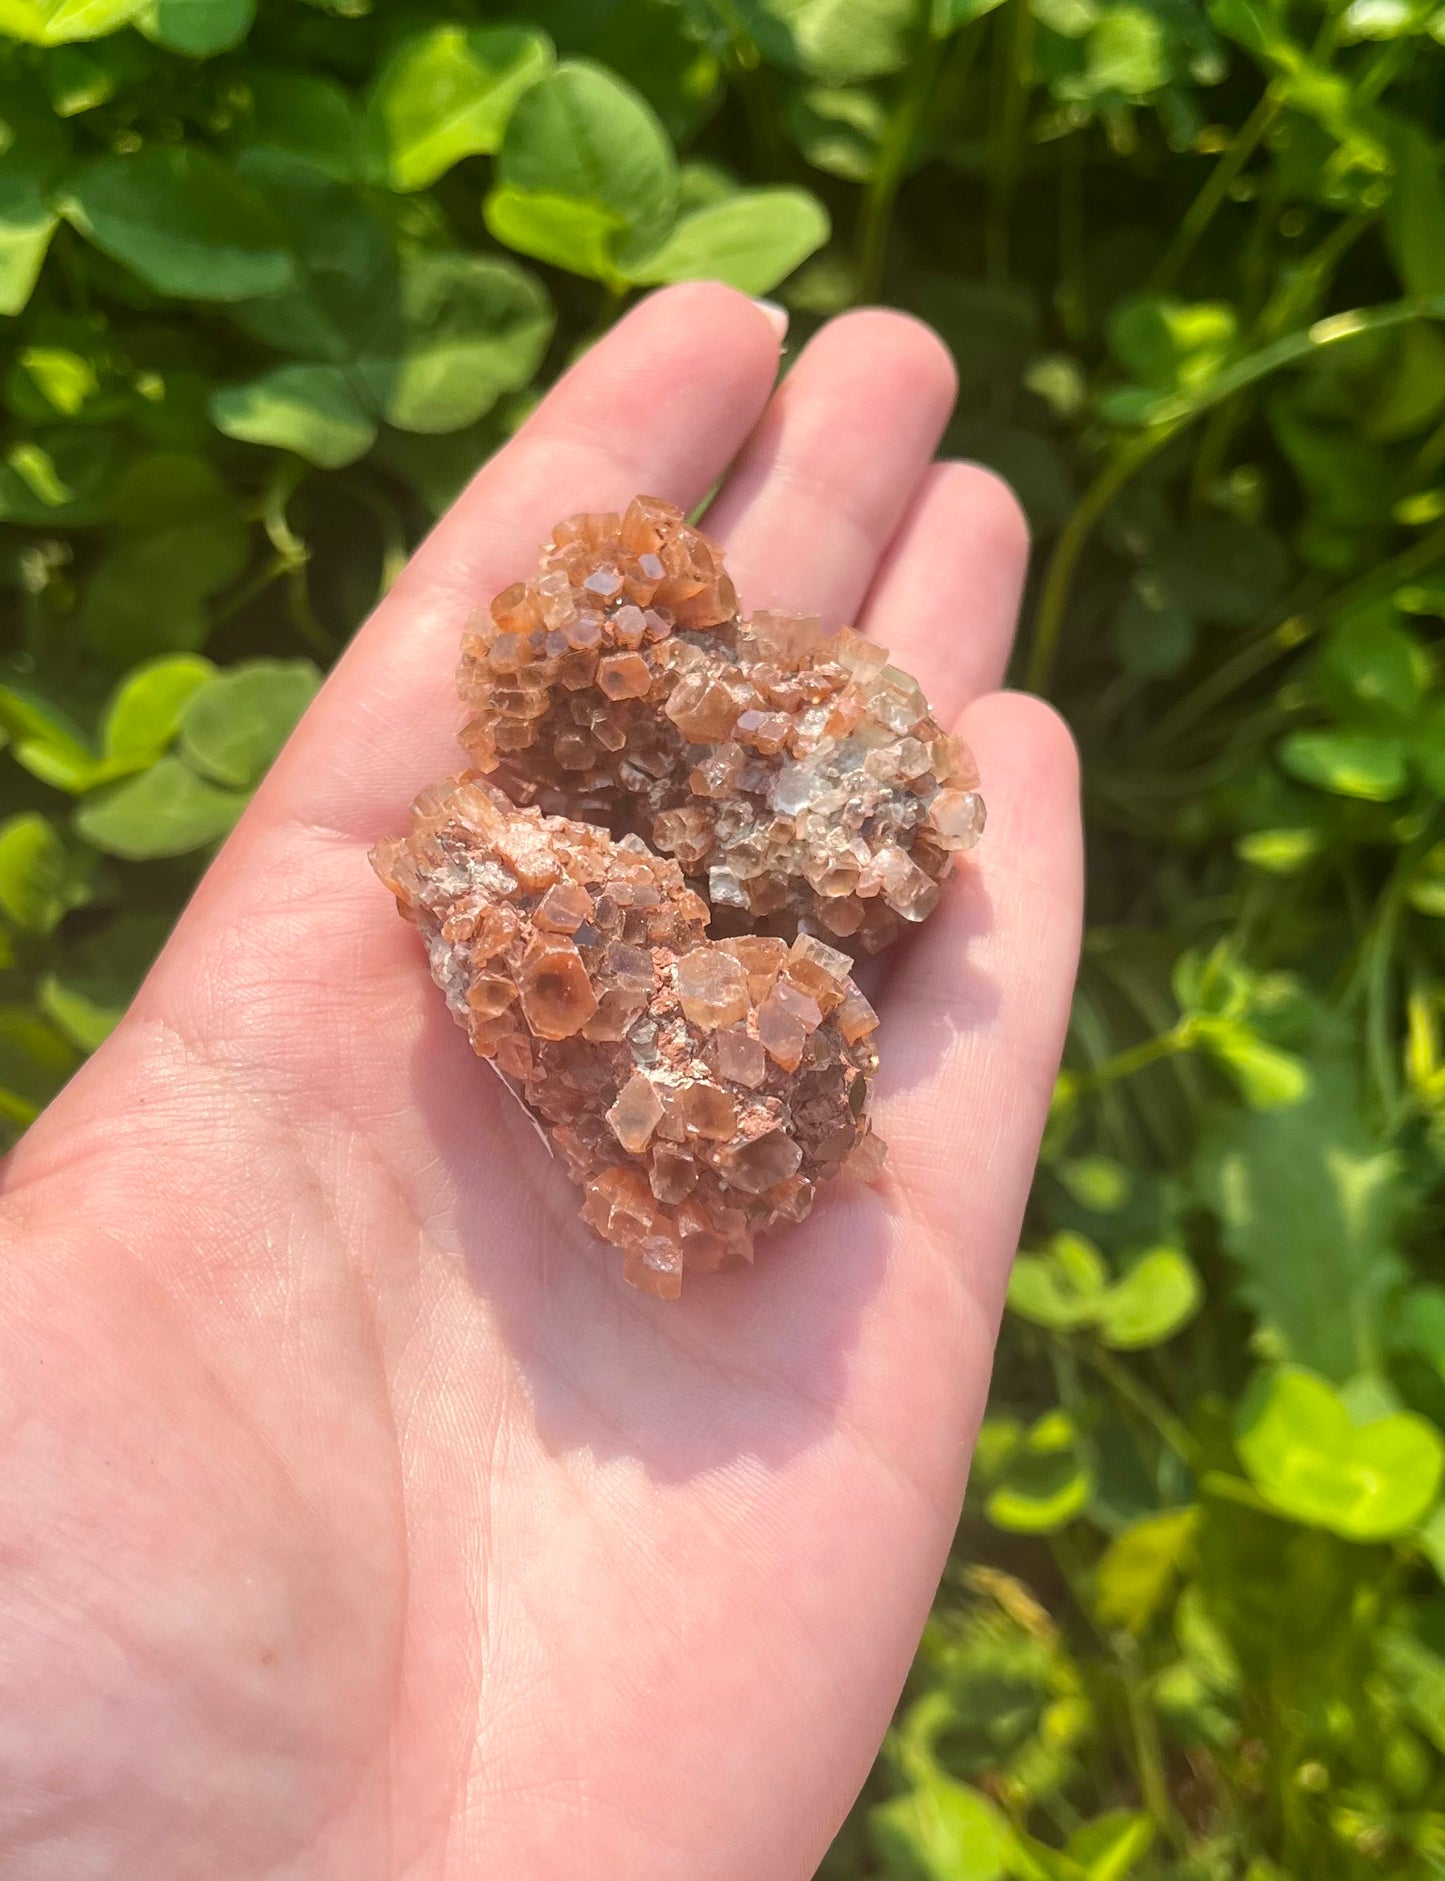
(357, 1520)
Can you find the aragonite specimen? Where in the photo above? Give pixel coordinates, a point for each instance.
(651, 763)
(797, 777)
(698, 1090)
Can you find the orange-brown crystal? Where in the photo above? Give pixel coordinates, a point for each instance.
(649, 761)
(581, 967)
(796, 777)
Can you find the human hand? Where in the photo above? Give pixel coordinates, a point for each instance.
(358, 1520)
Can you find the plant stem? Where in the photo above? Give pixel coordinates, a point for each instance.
(1133, 1391)
(1235, 672)
(1179, 1038)
(897, 147)
(1206, 205)
(1058, 579)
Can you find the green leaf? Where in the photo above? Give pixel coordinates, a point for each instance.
(95, 979)
(446, 93)
(582, 237)
(1309, 1208)
(183, 221)
(347, 276)
(44, 738)
(751, 242)
(941, 1831)
(233, 726)
(1269, 1078)
(838, 129)
(1367, 1482)
(165, 811)
(197, 29)
(84, 1022)
(311, 410)
(583, 135)
(1045, 1481)
(144, 713)
(1138, 1571)
(1061, 1288)
(39, 880)
(838, 41)
(57, 479)
(464, 329)
(1375, 669)
(1158, 1295)
(52, 22)
(34, 151)
(35, 1060)
(1415, 221)
(1107, 1848)
(1350, 764)
(1171, 345)
(302, 115)
(177, 539)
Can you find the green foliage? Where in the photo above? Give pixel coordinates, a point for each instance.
(278, 277)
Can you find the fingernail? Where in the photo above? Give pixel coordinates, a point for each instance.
(776, 314)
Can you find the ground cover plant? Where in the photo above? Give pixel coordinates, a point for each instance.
(277, 278)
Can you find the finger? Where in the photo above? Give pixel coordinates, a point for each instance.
(827, 475)
(974, 1017)
(945, 600)
(659, 406)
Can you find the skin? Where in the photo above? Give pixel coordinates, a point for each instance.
(357, 1520)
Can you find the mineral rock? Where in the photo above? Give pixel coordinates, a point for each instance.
(797, 778)
(697, 1089)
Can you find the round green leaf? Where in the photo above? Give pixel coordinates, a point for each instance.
(233, 726)
(1351, 764)
(838, 41)
(53, 22)
(1140, 1567)
(464, 329)
(1060, 1288)
(751, 241)
(197, 28)
(345, 258)
(838, 129)
(581, 133)
(302, 115)
(85, 1021)
(165, 811)
(183, 221)
(941, 1831)
(1045, 1481)
(1367, 1482)
(581, 237)
(39, 882)
(177, 539)
(1159, 1294)
(311, 410)
(144, 713)
(446, 93)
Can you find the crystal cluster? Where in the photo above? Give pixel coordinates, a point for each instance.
(797, 777)
(698, 1090)
(651, 764)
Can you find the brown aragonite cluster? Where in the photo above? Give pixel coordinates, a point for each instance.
(699, 1090)
(798, 779)
(651, 763)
